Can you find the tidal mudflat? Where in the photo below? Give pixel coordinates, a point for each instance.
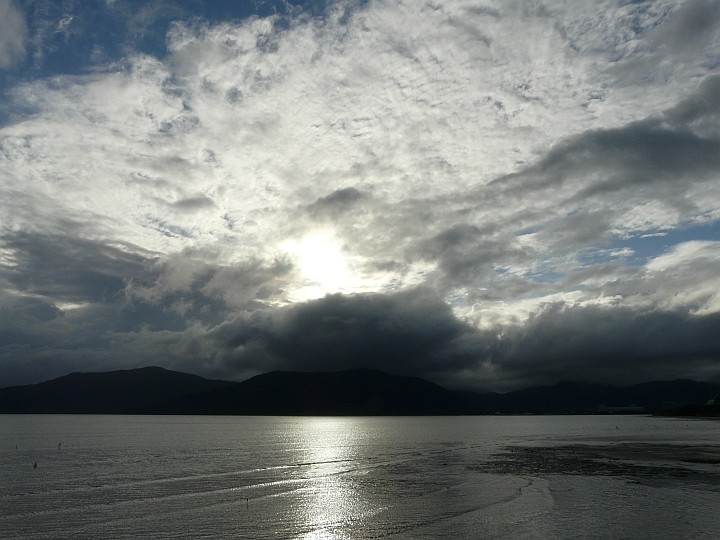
(358, 477)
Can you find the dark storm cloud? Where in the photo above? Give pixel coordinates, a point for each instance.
(126, 310)
(414, 332)
(26, 310)
(27, 320)
(611, 344)
(457, 236)
(69, 268)
(23, 364)
(52, 270)
(409, 332)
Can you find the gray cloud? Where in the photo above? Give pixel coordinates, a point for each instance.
(579, 194)
(199, 273)
(650, 43)
(13, 34)
(589, 186)
(700, 111)
(197, 202)
(69, 268)
(410, 332)
(610, 344)
(660, 149)
(690, 28)
(415, 332)
(466, 252)
(335, 203)
(28, 320)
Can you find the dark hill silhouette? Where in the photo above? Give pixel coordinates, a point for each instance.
(155, 390)
(586, 398)
(351, 392)
(112, 392)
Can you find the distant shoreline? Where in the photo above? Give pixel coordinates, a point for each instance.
(353, 392)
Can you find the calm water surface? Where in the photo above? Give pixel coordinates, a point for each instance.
(291, 477)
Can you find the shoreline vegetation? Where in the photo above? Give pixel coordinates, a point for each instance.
(357, 392)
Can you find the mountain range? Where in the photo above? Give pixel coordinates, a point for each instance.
(155, 390)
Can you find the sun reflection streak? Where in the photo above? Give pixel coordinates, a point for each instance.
(331, 500)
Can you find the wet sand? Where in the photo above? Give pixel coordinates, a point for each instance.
(628, 460)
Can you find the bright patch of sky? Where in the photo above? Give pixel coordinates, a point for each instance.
(639, 249)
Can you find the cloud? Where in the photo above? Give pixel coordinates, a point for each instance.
(199, 285)
(335, 203)
(197, 202)
(408, 185)
(682, 278)
(691, 30)
(69, 268)
(28, 320)
(13, 34)
(412, 331)
(593, 185)
(415, 332)
(617, 345)
(676, 142)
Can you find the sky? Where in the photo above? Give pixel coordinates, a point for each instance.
(490, 195)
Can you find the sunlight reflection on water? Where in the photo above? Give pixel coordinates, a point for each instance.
(332, 478)
(329, 501)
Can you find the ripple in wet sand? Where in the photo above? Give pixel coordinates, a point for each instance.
(702, 463)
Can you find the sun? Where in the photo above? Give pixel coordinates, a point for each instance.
(322, 265)
(322, 262)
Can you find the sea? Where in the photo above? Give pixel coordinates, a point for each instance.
(110, 477)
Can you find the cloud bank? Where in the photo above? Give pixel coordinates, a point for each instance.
(489, 196)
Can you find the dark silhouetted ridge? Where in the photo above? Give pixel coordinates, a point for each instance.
(589, 398)
(112, 392)
(351, 392)
(155, 390)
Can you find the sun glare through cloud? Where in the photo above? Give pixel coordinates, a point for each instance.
(322, 265)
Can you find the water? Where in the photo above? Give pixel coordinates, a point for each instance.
(317, 478)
